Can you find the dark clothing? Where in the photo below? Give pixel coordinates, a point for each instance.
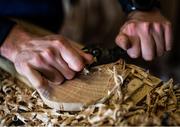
(40, 12)
(5, 27)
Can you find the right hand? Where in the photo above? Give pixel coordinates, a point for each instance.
(51, 58)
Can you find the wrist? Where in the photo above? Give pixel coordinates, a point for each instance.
(14, 42)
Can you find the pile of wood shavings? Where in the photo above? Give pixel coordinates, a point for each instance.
(23, 106)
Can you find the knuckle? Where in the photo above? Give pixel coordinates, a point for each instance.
(132, 26)
(49, 52)
(145, 27)
(157, 27)
(59, 43)
(56, 43)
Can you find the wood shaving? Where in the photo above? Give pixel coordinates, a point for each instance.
(125, 105)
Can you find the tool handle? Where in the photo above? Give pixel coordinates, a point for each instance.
(105, 55)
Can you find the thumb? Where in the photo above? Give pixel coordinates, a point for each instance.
(33, 76)
(37, 81)
(122, 41)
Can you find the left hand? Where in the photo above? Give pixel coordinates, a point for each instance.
(146, 34)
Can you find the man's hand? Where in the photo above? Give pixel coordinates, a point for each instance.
(146, 34)
(51, 57)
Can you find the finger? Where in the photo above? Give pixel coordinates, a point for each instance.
(88, 57)
(131, 35)
(168, 36)
(147, 42)
(70, 56)
(158, 36)
(55, 60)
(73, 59)
(23, 68)
(135, 50)
(33, 76)
(64, 69)
(123, 41)
(39, 64)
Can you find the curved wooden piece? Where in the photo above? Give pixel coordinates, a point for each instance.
(76, 93)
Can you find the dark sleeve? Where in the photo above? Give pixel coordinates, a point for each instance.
(29, 8)
(142, 5)
(124, 4)
(39, 12)
(5, 27)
